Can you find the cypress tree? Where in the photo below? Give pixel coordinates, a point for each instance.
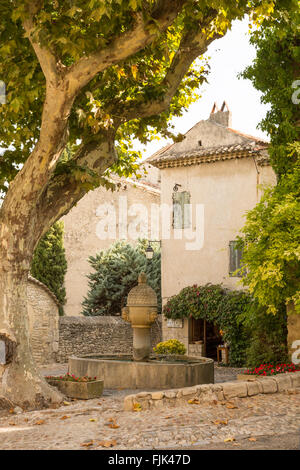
(49, 263)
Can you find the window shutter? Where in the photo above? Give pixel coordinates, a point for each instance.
(177, 211)
(186, 199)
(181, 212)
(235, 257)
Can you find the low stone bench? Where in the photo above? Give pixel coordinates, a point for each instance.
(210, 392)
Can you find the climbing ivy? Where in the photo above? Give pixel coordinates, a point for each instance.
(218, 305)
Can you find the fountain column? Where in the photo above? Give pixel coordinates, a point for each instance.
(141, 312)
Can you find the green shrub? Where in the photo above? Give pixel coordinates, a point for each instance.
(268, 333)
(172, 346)
(49, 263)
(216, 304)
(115, 272)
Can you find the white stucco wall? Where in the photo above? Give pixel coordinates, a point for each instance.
(226, 189)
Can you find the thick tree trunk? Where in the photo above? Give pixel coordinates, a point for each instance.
(19, 234)
(21, 381)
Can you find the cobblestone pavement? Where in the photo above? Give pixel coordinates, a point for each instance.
(97, 424)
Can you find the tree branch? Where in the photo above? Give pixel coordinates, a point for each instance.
(61, 91)
(123, 46)
(81, 173)
(192, 45)
(47, 60)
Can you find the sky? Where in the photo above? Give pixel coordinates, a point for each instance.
(229, 56)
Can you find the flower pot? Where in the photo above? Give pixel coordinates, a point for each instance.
(81, 390)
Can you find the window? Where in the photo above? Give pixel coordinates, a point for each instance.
(235, 257)
(181, 210)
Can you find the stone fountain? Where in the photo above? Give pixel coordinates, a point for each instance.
(141, 312)
(142, 370)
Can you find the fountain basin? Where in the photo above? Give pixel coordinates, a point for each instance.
(120, 371)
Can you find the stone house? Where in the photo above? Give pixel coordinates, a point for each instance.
(101, 218)
(208, 180)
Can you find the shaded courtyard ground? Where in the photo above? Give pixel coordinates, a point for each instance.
(258, 422)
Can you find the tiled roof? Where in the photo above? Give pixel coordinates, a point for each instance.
(209, 154)
(248, 136)
(139, 183)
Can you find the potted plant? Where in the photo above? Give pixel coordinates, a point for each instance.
(83, 388)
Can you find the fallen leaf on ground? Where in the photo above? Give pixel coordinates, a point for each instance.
(67, 403)
(230, 406)
(229, 439)
(87, 444)
(92, 420)
(252, 439)
(136, 407)
(194, 401)
(112, 423)
(65, 417)
(221, 421)
(12, 424)
(39, 422)
(107, 443)
(12, 411)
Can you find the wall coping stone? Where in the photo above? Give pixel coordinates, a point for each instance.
(173, 397)
(99, 319)
(41, 284)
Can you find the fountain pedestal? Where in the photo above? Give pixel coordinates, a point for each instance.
(141, 312)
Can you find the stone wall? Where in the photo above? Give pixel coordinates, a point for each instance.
(92, 335)
(212, 393)
(43, 322)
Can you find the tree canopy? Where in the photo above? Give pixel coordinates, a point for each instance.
(271, 236)
(271, 243)
(275, 72)
(134, 88)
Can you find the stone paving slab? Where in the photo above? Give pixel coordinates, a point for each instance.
(83, 424)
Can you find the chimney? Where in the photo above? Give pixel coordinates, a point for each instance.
(221, 116)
